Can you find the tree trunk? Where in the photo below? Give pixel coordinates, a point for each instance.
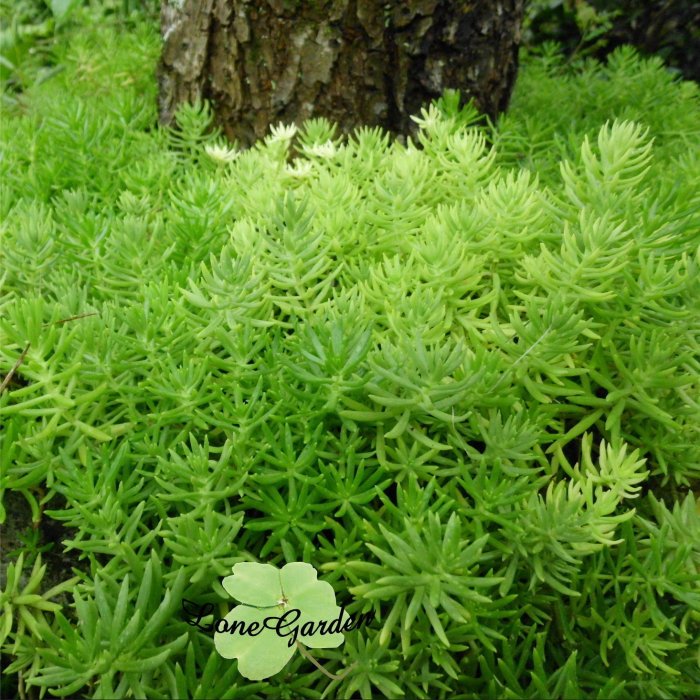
(355, 62)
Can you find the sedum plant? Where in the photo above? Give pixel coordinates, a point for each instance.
(457, 376)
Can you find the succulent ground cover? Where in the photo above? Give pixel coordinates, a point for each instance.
(458, 376)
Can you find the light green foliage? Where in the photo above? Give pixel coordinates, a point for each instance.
(27, 603)
(29, 30)
(459, 377)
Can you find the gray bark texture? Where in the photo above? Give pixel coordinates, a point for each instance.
(355, 62)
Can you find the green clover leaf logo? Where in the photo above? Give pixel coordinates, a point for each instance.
(282, 609)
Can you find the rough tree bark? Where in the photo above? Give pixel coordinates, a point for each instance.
(356, 62)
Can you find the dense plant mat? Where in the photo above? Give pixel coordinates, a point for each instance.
(458, 376)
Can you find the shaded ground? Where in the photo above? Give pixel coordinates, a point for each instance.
(18, 534)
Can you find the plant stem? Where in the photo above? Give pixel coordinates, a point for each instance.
(330, 675)
(8, 378)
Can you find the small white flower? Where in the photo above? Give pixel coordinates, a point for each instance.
(281, 132)
(323, 150)
(301, 168)
(429, 118)
(221, 154)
